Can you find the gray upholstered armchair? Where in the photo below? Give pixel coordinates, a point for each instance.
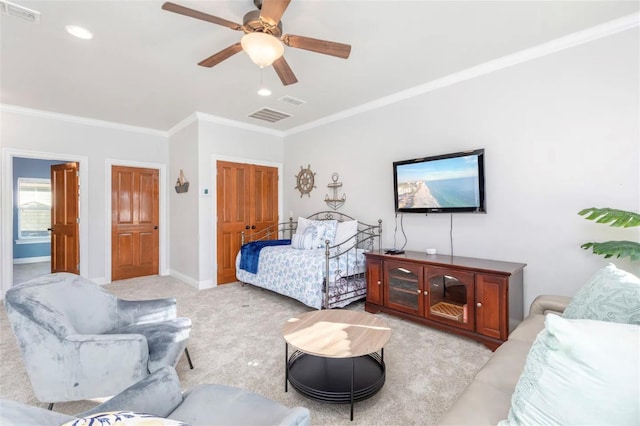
(159, 394)
(78, 341)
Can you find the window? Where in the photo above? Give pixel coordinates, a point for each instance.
(34, 210)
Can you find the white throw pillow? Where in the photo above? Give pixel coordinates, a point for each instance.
(303, 222)
(580, 372)
(302, 241)
(346, 230)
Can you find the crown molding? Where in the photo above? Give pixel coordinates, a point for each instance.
(191, 118)
(80, 120)
(575, 39)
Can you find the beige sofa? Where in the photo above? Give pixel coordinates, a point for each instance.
(487, 399)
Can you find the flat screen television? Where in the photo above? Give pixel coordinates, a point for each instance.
(450, 183)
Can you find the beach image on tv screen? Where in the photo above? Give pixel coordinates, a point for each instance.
(450, 182)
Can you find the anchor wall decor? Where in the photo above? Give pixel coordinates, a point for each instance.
(335, 202)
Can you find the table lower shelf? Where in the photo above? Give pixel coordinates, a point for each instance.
(329, 379)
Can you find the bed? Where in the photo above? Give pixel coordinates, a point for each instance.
(317, 260)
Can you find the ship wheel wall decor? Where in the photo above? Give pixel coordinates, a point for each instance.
(305, 181)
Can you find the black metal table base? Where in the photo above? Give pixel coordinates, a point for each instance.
(335, 380)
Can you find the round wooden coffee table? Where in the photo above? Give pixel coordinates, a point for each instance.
(335, 356)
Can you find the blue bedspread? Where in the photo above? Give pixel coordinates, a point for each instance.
(250, 253)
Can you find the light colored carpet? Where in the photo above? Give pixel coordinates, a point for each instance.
(236, 340)
(25, 271)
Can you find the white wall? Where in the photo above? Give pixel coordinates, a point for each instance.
(183, 210)
(95, 141)
(561, 133)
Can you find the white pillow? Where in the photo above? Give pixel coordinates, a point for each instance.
(346, 230)
(580, 372)
(302, 241)
(303, 222)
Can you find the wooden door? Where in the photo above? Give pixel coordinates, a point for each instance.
(492, 318)
(374, 281)
(247, 200)
(65, 241)
(134, 222)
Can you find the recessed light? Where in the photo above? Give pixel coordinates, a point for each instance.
(79, 32)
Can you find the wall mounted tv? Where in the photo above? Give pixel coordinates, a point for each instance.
(450, 183)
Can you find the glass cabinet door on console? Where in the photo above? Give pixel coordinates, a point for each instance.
(449, 296)
(403, 286)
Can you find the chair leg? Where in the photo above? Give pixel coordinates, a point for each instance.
(50, 407)
(186, 352)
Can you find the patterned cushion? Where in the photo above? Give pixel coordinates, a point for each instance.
(610, 295)
(316, 234)
(579, 372)
(124, 418)
(329, 227)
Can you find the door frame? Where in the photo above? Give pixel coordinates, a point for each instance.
(163, 226)
(7, 208)
(214, 204)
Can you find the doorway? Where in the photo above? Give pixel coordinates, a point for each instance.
(135, 219)
(247, 201)
(9, 215)
(46, 218)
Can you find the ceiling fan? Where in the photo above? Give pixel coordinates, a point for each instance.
(263, 38)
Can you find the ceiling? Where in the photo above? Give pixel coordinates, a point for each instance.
(141, 67)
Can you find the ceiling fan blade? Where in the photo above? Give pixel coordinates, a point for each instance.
(221, 55)
(332, 48)
(272, 10)
(284, 71)
(176, 8)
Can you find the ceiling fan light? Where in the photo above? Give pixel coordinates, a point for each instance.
(262, 48)
(263, 91)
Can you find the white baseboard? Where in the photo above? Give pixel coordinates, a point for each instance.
(188, 280)
(24, 260)
(198, 285)
(206, 284)
(100, 280)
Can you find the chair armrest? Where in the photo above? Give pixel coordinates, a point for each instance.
(143, 311)
(545, 304)
(16, 413)
(159, 394)
(103, 354)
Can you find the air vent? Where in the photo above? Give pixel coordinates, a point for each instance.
(270, 115)
(291, 100)
(12, 9)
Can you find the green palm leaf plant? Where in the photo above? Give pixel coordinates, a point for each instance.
(618, 219)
